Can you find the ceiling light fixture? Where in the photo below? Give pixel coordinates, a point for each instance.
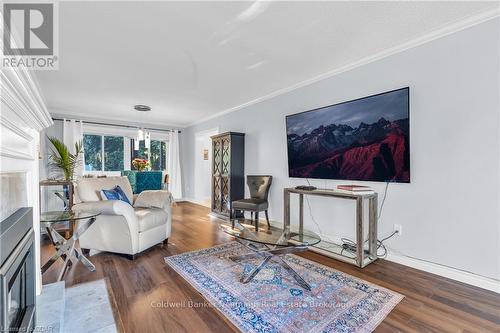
(147, 140)
(136, 143)
(141, 133)
(142, 108)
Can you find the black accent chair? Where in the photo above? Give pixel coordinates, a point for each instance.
(259, 191)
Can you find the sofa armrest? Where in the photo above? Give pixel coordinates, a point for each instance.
(114, 208)
(107, 207)
(154, 198)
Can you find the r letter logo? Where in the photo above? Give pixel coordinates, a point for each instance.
(29, 36)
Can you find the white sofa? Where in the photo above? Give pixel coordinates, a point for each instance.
(122, 228)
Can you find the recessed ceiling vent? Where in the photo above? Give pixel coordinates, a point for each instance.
(142, 108)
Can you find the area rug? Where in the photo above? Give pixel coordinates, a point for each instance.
(274, 302)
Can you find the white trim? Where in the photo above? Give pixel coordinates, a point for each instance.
(445, 271)
(195, 201)
(214, 130)
(7, 123)
(426, 266)
(7, 152)
(20, 93)
(57, 113)
(436, 34)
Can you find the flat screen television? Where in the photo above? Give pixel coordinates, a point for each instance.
(365, 139)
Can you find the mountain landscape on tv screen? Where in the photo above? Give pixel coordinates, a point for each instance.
(356, 148)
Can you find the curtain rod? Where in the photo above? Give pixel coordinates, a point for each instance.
(124, 126)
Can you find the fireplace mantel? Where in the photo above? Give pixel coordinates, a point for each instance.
(23, 115)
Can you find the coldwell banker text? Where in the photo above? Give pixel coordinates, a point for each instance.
(30, 36)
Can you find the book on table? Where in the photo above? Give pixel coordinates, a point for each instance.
(354, 188)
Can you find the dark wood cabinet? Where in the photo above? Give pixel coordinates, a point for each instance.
(228, 171)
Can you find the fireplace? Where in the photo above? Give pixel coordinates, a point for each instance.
(17, 272)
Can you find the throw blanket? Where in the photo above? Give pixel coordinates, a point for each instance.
(154, 198)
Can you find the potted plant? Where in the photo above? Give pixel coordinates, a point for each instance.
(140, 164)
(62, 159)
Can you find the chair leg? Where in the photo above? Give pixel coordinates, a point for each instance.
(267, 219)
(256, 221)
(251, 216)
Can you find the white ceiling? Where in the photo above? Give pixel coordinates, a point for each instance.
(191, 60)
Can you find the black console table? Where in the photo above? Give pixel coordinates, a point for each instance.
(334, 250)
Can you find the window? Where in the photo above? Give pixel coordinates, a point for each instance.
(157, 154)
(98, 159)
(158, 157)
(92, 145)
(113, 153)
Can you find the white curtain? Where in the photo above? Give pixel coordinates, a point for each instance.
(174, 165)
(72, 133)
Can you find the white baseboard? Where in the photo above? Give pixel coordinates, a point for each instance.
(441, 270)
(445, 271)
(196, 201)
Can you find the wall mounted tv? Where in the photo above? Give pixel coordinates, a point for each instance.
(364, 139)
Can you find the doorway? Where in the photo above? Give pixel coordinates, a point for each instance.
(203, 166)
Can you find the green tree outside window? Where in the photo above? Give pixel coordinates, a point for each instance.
(92, 146)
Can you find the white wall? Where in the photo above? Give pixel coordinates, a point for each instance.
(449, 212)
(202, 168)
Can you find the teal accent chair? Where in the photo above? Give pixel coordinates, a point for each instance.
(144, 180)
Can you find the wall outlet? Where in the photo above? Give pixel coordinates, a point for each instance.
(399, 229)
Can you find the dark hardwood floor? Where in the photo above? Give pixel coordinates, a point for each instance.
(431, 303)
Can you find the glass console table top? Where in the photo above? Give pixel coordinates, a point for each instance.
(273, 237)
(62, 216)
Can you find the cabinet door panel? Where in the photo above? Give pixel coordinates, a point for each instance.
(225, 198)
(216, 194)
(217, 156)
(226, 155)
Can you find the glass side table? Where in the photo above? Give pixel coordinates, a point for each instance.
(67, 249)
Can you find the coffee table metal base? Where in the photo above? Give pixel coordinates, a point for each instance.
(267, 253)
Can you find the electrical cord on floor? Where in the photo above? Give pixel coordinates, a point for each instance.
(349, 245)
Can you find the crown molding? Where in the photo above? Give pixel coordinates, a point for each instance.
(21, 94)
(7, 123)
(7, 152)
(57, 113)
(436, 34)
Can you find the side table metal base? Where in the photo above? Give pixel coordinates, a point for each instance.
(68, 250)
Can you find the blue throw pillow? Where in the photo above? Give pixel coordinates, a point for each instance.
(116, 194)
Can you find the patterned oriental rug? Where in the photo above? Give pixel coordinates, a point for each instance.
(274, 302)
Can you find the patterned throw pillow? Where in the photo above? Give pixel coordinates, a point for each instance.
(116, 194)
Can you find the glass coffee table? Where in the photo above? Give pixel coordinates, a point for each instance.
(67, 249)
(268, 245)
